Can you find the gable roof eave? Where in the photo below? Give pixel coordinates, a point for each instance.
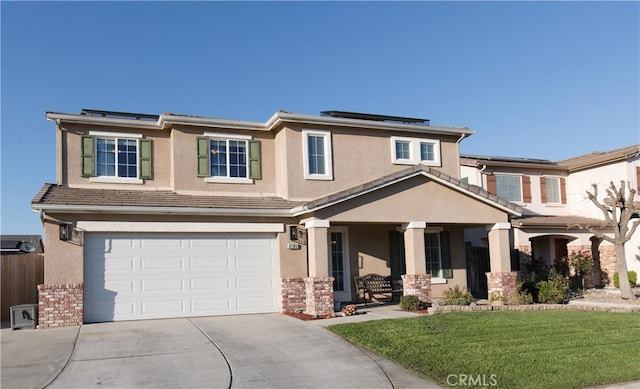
(140, 210)
(366, 188)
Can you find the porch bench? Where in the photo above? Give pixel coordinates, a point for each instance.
(372, 284)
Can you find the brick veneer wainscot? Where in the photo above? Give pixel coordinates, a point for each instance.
(60, 305)
(294, 295)
(503, 284)
(319, 292)
(417, 285)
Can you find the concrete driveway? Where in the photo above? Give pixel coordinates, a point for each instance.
(244, 351)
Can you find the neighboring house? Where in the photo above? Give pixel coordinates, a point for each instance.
(553, 197)
(22, 259)
(172, 215)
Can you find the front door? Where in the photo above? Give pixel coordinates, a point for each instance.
(339, 266)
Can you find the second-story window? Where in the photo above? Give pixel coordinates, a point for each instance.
(228, 158)
(509, 187)
(413, 151)
(316, 150)
(112, 157)
(117, 157)
(552, 189)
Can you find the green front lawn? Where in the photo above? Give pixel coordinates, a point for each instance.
(534, 349)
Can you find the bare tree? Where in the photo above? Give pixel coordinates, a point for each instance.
(618, 210)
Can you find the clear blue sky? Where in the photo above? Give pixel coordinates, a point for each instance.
(539, 80)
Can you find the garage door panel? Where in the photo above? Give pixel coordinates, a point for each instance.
(254, 282)
(150, 243)
(221, 243)
(215, 262)
(210, 284)
(162, 263)
(204, 305)
(139, 276)
(253, 262)
(162, 285)
(114, 264)
(119, 287)
(164, 308)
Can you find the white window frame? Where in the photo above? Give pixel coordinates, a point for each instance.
(439, 279)
(415, 155)
(115, 179)
(519, 201)
(557, 179)
(328, 160)
(227, 137)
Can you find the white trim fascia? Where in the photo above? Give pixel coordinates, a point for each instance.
(108, 134)
(116, 180)
(317, 223)
(115, 226)
(301, 210)
(501, 226)
(211, 122)
(137, 210)
(410, 225)
(281, 117)
(85, 119)
(227, 136)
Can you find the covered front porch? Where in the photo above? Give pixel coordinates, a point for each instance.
(411, 229)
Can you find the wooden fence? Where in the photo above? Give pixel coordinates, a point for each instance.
(21, 274)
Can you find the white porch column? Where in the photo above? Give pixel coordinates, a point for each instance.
(416, 260)
(318, 245)
(501, 280)
(499, 248)
(416, 282)
(318, 286)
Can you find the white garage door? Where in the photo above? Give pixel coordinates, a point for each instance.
(149, 276)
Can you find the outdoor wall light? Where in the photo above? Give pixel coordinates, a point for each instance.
(65, 232)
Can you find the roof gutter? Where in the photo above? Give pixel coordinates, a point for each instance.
(287, 117)
(99, 120)
(137, 210)
(165, 120)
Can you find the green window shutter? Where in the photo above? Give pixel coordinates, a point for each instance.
(203, 156)
(255, 170)
(88, 165)
(445, 253)
(396, 255)
(144, 159)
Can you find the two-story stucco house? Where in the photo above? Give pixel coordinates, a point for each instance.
(155, 216)
(553, 197)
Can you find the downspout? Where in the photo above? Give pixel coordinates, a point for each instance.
(462, 136)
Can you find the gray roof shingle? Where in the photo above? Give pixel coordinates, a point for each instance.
(52, 194)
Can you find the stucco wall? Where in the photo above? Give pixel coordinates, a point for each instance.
(71, 171)
(64, 260)
(359, 156)
(399, 204)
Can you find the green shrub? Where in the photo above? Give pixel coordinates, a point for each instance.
(554, 290)
(496, 296)
(529, 287)
(410, 303)
(522, 296)
(457, 296)
(633, 278)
